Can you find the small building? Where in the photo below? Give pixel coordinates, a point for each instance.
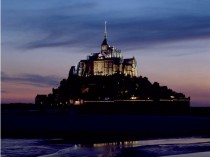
(41, 99)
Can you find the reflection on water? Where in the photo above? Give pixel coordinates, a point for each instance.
(121, 144)
(109, 149)
(112, 144)
(61, 148)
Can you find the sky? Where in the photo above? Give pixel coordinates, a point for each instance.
(41, 40)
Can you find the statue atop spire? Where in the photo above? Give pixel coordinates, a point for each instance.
(105, 32)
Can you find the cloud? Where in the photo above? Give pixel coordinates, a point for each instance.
(45, 26)
(4, 91)
(31, 79)
(128, 32)
(136, 32)
(80, 24)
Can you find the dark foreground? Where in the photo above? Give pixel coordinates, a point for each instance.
(92, 128)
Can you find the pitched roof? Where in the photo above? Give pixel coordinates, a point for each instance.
(104, 42)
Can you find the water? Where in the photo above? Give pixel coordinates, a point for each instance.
(175, 147)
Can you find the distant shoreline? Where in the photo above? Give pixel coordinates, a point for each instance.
(79, 127)
(191, 111)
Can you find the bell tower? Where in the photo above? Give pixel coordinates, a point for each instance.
(104, 45)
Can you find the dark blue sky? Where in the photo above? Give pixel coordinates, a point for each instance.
(42, 39)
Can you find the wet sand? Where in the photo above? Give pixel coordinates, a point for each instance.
(200, 154)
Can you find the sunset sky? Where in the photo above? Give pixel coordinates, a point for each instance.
(42, 39)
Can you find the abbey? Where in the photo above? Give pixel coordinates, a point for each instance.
(107, 62)
(106, 81)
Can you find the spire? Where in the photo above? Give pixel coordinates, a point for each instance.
(105, 36)
(105, 33)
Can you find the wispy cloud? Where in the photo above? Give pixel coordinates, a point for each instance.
(32, 79)
(81, 23)
(129, 32)
(4, 91)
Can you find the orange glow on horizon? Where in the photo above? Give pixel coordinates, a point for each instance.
(21, 93)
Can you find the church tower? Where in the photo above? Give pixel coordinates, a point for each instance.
(104, 45)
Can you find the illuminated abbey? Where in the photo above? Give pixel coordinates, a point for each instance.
(107, 79)
(107, 62)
